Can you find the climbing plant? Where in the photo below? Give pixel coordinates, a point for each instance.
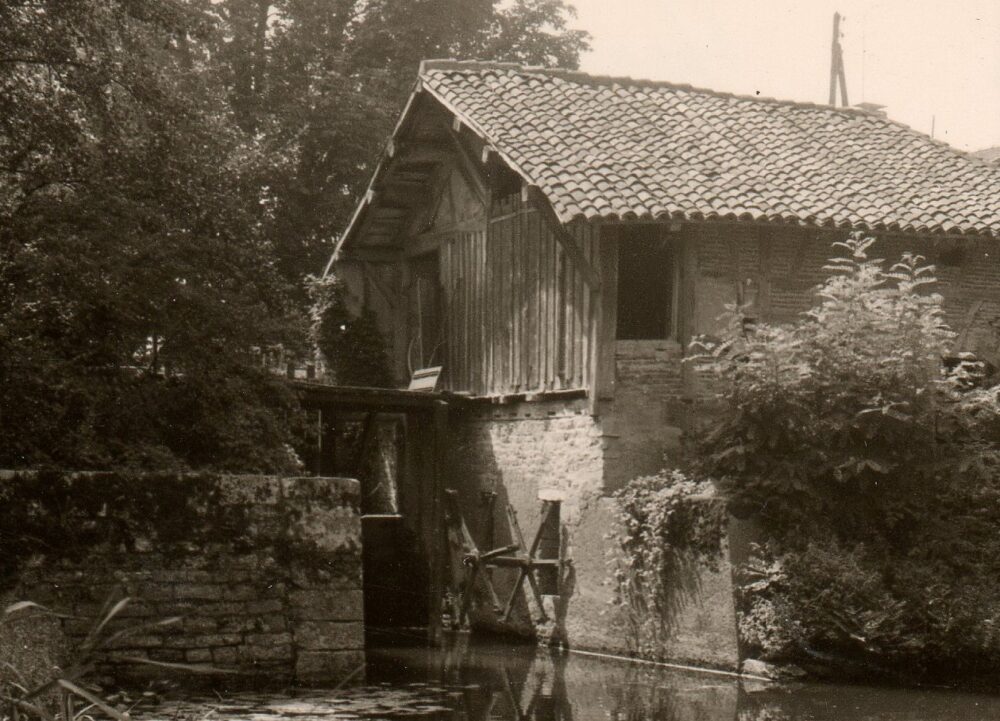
(666, 523)
(352, 344)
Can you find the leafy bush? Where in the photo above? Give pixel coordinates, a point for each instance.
(66, 692)
(666, 523)
(872, 465)
(352, 345)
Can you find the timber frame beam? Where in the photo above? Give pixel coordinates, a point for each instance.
(387, 295)
(535, 196)
(467, 164)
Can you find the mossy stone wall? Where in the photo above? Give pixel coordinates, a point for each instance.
(265, 572)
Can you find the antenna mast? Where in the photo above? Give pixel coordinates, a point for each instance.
(837, 73)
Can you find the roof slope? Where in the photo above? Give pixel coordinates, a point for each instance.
(990, 155)
(621, 148)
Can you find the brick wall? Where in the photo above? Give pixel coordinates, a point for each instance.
(776, 270)
(520, 451)
(644, 423)
(783, 266)
(270, 586)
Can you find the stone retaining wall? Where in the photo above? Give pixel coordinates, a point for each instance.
(266, 579)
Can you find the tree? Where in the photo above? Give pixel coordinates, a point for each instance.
(352, 345)
(318, 85)
(135, 281)
(170, 172)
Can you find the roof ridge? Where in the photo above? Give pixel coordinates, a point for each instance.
(628, 81)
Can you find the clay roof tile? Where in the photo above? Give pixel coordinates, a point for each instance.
(618, 147)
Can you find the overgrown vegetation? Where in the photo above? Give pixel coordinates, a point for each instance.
(352, 344)
(63, 691)
(667, 525)
(868, 450)
(170, 172)
(55, 516)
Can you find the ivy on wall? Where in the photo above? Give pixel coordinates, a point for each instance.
(353, 345)
(667, 525)
(63, 516)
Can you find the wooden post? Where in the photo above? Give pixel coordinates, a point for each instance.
(549, 541)
(606, 303)
(837, 66)
(438, 552)
(834, 47)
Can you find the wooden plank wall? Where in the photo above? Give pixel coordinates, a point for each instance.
(517, 311)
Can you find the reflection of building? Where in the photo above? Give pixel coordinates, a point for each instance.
(555, 240)
(492, 682)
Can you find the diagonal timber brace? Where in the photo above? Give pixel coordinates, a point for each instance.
(534, 195)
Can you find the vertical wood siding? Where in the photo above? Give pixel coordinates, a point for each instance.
(517, 310)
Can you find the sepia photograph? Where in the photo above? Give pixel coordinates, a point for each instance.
(499, 360)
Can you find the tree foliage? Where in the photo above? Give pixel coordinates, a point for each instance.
(351, 344)
(867, 448)
(855, 411)
(170, 171)
(666, 525)
(319, 84)
(134, 279)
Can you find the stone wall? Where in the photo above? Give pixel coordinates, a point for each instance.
(264, 573)
(557, 449)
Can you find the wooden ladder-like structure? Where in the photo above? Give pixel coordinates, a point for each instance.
(528, 559)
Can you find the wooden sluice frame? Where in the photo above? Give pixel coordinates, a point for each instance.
(515, 555)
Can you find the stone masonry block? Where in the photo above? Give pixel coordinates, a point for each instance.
(269, 605)
(198, 655)
(269, 639)
(329, 636)
(209, 592)
(326, 605)
(254, 655)
(202, 640)
(253, 624)
(225, 657)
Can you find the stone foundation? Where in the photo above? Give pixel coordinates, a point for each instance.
(269, 585)
(518, 453)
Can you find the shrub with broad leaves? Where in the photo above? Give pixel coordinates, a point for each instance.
(867, 447)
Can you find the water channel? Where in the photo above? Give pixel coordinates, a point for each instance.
(476, 681)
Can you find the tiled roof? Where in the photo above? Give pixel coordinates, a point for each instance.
(622, 148)
(990, 155)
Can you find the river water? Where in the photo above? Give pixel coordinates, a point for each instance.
(469, 681)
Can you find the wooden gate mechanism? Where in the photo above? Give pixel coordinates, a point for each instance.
(543, 557)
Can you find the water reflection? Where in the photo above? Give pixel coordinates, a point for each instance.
(473, 681)
(524, 683)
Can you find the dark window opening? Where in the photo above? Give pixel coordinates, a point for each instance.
(975, 372)
(951, 257)
(646, 280)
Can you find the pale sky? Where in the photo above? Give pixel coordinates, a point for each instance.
(921, 59)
